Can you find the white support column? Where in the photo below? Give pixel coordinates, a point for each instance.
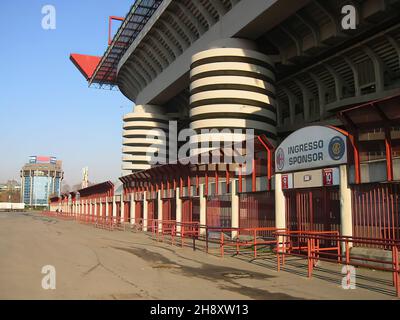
(95, 209)
(107, 213)
(160, 211)
(235, 208)
(280, 206)
(101, 208)
(178, 209)
(145, 211)
(133, 208)
(114, 207)
(122, 206)
(203, 208)
(346, 218)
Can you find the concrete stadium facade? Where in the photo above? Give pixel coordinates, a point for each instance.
(277, 69)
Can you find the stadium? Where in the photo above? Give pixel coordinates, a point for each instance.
(322, 103)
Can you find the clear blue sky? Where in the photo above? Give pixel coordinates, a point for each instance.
(46, 107)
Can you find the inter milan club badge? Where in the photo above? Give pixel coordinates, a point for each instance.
(336, 148)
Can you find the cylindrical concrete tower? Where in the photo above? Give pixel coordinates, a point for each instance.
(145, 133)
(232, 87)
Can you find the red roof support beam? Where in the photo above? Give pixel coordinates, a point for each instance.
(110, 20)
(270, 149)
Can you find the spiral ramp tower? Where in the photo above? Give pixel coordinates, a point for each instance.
(232, 87)
(145, 133)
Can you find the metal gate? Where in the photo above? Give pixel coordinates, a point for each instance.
(314, 209)
(110, 209)
(219, 211)
(98, 212)
(118, 209)
(152, 213)
(104, 209)
(191, 209)
(138, 211)
(127, 211)
(257, 209)
(376, 210)
(169, 209)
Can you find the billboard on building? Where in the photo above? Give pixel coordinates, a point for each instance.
(42, 159)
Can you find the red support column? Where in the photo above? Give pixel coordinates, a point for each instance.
(227, 177)
(253, 176)
(354, 141)
(240, 178)
(216, 179)
(389, 157)
(188, 184)
(269, 169)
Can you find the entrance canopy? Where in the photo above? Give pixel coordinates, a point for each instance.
(374, 114)
(374, 130)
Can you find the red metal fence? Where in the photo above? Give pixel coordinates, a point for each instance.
(104, 208)
(257, 210)
(138, 210)
(118, 209)
(190, 210)
(376, 211)
(169, 209)
(127, 211)
(152, 213)
(219, 211)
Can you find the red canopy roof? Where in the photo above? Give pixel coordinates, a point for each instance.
(86, 64)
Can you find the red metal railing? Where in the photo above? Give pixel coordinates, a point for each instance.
(183, 230)
(60, 215)
(259, 237)
(313, 252)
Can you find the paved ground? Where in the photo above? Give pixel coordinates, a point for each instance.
(98, 264)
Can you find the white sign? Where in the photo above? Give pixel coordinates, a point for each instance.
(311, 147)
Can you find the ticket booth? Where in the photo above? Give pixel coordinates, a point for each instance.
(309, 163)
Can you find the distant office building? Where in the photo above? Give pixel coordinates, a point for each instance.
(40, 178)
